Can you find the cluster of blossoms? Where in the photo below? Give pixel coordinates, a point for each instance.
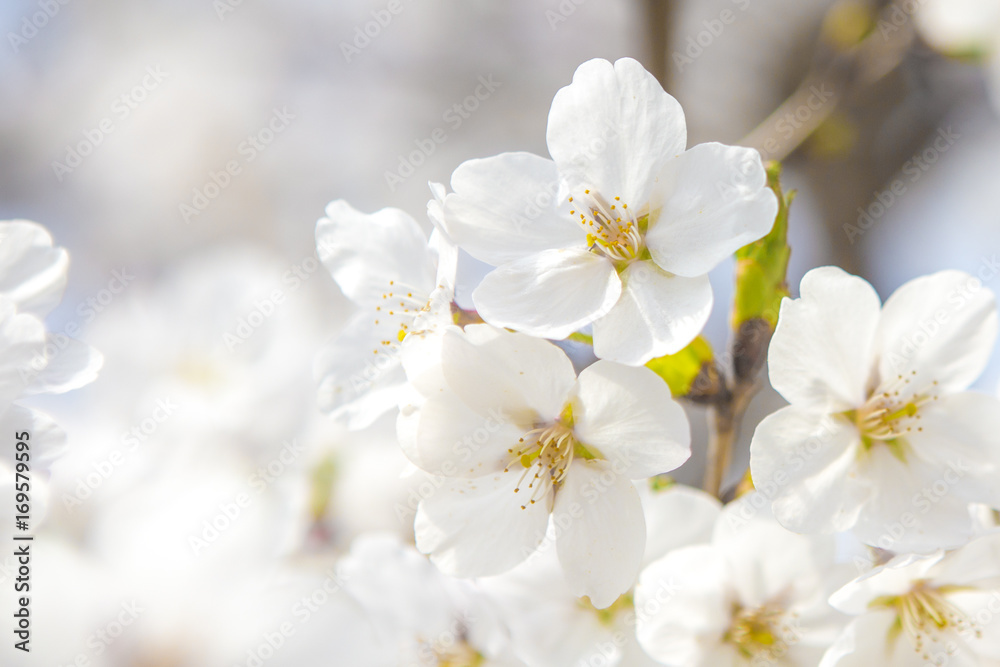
(33, 360)
(546, 505)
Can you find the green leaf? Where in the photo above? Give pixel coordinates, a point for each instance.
(761, 266)
(681, 370)
(321, 480)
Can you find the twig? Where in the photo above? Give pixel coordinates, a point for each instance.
(848, 71)
(659, 23)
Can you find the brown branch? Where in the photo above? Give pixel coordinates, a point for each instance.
(841, 75)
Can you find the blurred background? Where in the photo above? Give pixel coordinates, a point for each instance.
(182, 152)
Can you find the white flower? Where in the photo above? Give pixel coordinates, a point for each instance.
(217, 349)
(423, 618)
(960, 27)
(517, 436)
(964, 29)
(942, 609)
(756, 595)
(404, 287)
(881, 436)
(549, 625)
(619, 229)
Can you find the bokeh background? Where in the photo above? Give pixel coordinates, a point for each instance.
(119, 121)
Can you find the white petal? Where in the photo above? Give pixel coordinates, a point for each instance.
(823, 345)
(976, 564)
(421, 359)
(708, 203)
(940, 327)
(476, 528)
(22, 355)
(601, 548)
(985, 647)
(508, 376)
(506, 207)
(657, 314)
(613, 128)
(865, 642)
(449, 439)
(357, 384)
(628, 416)
(959, 27)
(676, 517)
(683, 605)
(806, 463)
(32, 273)
(72, 365)
(551, 294)
(47, 440)
(398, 589)
(445, 253)
(548, 625)
(911, 507)
(893, 578)
(364, 252)
(768, 561)
(958, 434)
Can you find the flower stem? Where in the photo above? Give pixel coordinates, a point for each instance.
(845, 71)
(724, 418)
(721, 437)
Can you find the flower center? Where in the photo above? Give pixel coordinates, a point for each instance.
(394, 315)
(926, 613)
(891, 412)
(612, 228)
(459, 654)
(545, 454)
(759, 630)
(609, 616)
(200, 371)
